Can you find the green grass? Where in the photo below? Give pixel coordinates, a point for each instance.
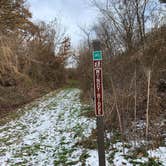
(15, 114)
(62, 153)
(111, 156)
(151, 162)
(61, 157)
(12, 115)
(71, 83)
(83, 157)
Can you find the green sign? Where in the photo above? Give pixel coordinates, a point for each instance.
(97, 55)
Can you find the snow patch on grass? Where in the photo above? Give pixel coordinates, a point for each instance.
(47, 133)
(53, 132)
(159, 154)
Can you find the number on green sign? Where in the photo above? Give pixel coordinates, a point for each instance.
(97, 55)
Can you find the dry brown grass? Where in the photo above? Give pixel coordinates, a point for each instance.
(125, 76)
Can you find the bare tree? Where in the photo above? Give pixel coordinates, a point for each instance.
(163, 1)
(127, 20)
(87, 33)
(120, 17)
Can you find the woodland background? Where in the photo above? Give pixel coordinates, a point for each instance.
(133, 36)
(32, 55)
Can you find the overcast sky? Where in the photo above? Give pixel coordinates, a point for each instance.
(71, 13)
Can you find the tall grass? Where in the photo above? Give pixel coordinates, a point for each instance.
(7, 58)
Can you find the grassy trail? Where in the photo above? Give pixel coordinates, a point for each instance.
(47, 133)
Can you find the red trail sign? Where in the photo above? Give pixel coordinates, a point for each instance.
(98, 83)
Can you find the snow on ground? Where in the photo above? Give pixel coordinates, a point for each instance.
(159, 154)
(122, 155)
(47, 133)
(50, 130)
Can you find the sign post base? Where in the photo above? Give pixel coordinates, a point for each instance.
(100, 140)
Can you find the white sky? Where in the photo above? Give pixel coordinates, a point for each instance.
(71, 13)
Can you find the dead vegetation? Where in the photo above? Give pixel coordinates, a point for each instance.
(32, 56)
(133, 69)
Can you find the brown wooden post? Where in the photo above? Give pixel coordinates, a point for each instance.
(98, 97)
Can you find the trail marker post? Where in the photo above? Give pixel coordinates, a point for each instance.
(98, 99)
